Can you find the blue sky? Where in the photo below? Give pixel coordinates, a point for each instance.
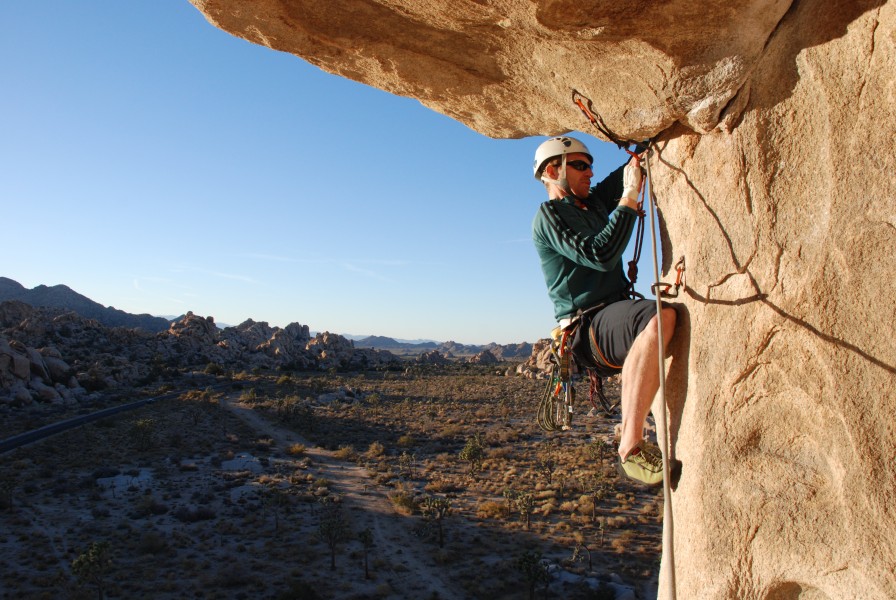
(158, 165)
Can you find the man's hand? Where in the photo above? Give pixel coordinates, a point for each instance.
(632, 176)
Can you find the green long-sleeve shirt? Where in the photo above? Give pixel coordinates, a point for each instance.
(581, 249)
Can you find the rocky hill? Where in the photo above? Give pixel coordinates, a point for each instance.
(53, 355)
(62, 296)
(57, 356)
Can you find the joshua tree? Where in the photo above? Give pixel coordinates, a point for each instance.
(142, 433)
(277, 500)
(366, 539)
(521, 502)
(332, 527)
(92, 566)
(581, 545)
(597, 449)
(406, 463)
(533, 569)
(597, 487)
(547, 464)
(374, 400)
(473, 453)
(435, 509)
(7, 489)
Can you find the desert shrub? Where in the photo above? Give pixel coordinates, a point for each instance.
(143, 433)
(299, 590)
(403, 500)
(152, 542)
(147, 505)
(443, 486)
(450, 431)
(492, 510)
(214, 369)
(346, 453)
(406, 441)
(190, 515)
(296, 449)
(604, 591)
(501, 452)
(375, 449)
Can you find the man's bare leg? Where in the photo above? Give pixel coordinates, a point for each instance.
(641, 380)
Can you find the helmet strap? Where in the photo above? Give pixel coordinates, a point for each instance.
(561, 180)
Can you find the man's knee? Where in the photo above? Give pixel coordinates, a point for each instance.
(669, 317)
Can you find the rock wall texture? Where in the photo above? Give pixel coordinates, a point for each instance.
(774, 125)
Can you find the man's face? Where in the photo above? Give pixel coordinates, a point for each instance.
(579, 180)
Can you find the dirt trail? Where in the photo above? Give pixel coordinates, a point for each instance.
(395, 542)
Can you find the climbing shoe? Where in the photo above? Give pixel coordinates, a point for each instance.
(644, 464)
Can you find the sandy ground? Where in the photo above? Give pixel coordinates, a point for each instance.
(393, 535)
(215, 496)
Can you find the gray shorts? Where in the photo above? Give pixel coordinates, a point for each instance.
(611, 333)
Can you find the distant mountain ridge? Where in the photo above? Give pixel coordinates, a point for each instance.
(62, 296)
(379, 341)
(451, 348)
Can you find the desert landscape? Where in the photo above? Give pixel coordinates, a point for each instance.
(431, 482)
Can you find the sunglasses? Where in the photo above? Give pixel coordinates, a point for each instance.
(579, 165)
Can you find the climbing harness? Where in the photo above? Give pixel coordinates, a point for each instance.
(556, 407)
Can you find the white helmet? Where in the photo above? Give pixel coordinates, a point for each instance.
(554, 147)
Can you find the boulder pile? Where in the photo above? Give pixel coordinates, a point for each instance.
(54, 356)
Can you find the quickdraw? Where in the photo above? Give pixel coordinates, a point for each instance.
(662, 289)
(594, 117)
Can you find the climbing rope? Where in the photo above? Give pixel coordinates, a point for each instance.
(668, 457)
(556, 406)
(594, 117)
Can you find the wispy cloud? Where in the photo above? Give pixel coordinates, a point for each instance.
(366, 272)
(389, 262)
(276, 258)
(222, 275)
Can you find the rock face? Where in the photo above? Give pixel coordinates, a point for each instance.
(773, 124)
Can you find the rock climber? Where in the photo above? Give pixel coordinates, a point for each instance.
(580, 234)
